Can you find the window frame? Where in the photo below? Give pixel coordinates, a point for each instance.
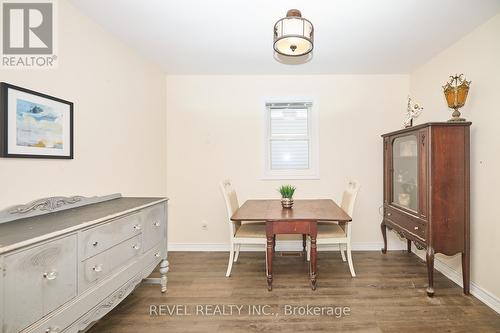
(313, 134)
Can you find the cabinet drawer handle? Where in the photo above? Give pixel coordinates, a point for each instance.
(157, 254)
(137, 227)
(136, 246)
(97, 268)
(52, 330)
(389, 214)
(94, 244)
(416, 228)
(157, 224)
(50, 275)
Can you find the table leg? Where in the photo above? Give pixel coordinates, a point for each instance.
(270, 247)
(313, 261)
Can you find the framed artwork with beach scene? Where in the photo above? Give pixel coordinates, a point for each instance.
(34, 125)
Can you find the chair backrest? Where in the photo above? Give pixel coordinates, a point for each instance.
(348, 201)
(232, 205)
(349, 197)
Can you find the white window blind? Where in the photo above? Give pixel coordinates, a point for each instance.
(289, 139)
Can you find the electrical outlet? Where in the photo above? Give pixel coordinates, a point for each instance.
(204, 225)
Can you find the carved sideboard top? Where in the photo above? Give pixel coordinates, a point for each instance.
(49, 205)
(42, 219)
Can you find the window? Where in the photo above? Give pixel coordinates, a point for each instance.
(291, 141)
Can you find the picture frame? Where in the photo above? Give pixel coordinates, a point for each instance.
(34, 125)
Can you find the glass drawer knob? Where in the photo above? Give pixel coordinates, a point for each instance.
(52, 330)
(388, 214)
(97, 268)
(156, 224)
(137, 227)
(416, 228)
(50, 275)
(136, 246)
(157, 254)
(95, 244)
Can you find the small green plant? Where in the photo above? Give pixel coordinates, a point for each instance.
(287, 191)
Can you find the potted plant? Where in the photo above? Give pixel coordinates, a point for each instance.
(287, 192)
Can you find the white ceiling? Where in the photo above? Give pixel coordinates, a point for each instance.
(235, 36)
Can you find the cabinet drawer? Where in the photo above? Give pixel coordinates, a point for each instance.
(101, 238)
(39, 280)
(410, 224)
(154, 225)
(109, 261)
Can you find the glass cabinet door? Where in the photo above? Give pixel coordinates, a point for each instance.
(405, 172)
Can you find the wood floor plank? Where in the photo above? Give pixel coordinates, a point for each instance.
(388, 295)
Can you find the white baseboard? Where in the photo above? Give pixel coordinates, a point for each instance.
(285, 245)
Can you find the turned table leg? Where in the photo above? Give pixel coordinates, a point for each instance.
(430, 270)
(270, 246)
(384, 235)
(314, 255)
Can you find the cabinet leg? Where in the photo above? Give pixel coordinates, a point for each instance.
(466, 272)
(163, 271)
(408, 244)
(384, 234)
(430, 270)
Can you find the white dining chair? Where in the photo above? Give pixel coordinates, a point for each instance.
(240, 233)
(333, 233)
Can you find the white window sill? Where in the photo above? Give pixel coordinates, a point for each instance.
(290, 177)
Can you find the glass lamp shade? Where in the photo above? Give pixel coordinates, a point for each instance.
(293, 35)
(456, 96)
(455, 92)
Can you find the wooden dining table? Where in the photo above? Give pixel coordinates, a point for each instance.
(302, 218)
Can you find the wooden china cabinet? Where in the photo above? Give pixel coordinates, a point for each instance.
(426, 191)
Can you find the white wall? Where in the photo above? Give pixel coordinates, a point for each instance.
(119, 117)
(477, 55)
(215, 131)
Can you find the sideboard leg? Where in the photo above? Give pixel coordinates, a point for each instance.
(384, 234)
(163, 271)
(430, 270)
(408, 244)
(466, 272)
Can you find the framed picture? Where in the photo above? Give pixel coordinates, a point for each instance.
(34, 125)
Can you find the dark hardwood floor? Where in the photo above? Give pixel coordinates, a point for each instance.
(388, 295)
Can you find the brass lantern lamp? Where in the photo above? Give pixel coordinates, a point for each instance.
(293, 35)
(455, 92)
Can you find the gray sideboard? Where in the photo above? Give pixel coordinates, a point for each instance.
(66, 262)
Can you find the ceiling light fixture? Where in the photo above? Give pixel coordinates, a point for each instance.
(293, 35)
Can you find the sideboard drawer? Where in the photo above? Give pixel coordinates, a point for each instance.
(411, 224)
(101, 238)
(108, 262)
(39, 280)
(154, 225)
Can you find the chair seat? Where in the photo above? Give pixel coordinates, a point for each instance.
(251, 230)
(330, 230)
